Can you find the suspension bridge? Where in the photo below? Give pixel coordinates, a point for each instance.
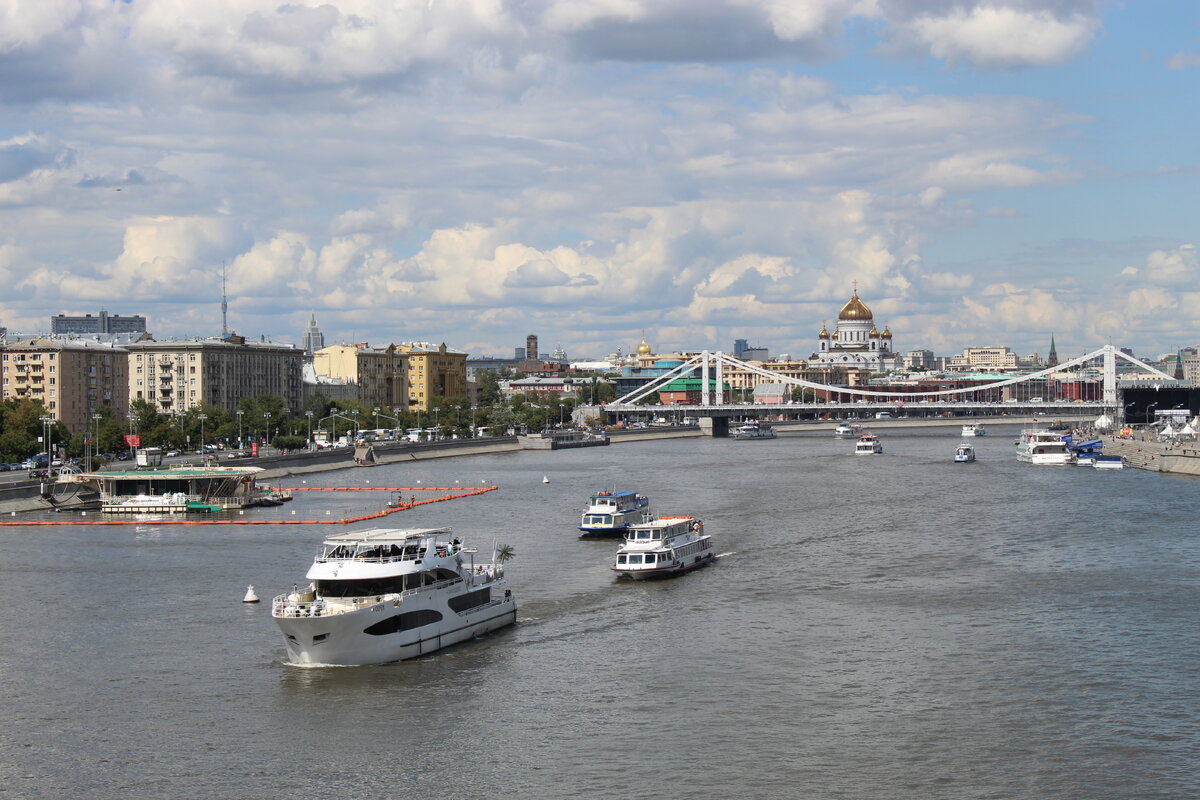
(715, 409)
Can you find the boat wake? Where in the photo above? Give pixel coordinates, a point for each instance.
(722, 555)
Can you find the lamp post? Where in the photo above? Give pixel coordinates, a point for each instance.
(437, 431)
(240, 414)
(202, 417)
(95, 438)
(266, 425)
(46, 421)
(309, 415)
(376, 417)
(354, 414)
(1146, 416)
(473, 429)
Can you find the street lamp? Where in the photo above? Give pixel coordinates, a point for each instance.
(309, 415)
(354, 414)
(46, 421)
(95, 438)
(473, 429)
(1146, 416)
(266, 426)
(202, 417)
(437, 431)
(376, 417)
(239, 416)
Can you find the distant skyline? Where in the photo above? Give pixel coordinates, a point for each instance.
(989, 172)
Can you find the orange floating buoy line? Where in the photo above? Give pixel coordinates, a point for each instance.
(454, 494)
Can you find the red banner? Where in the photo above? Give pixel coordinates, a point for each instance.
(254, 448)
(133, 440)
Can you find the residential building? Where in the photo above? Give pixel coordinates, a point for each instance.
(539, 387)
(531, 347)
(101, 323)
(71, 378)
(984, 358)
(435, 372)
(326, 387)
(177, 375)
(380, 374)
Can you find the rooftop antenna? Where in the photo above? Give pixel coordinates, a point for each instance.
(224, 305)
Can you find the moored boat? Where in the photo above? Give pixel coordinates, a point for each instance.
(974, 429)
(662, 547)
(845, 430)
(175, 490)
(868, 445)
(1108, 462)
(754, 430)
(964, 454)
(1043, 448)
(384, 595)
(611, 513)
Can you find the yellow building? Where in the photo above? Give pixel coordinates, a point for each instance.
(435, 373)
(380, 374)
(71, 378)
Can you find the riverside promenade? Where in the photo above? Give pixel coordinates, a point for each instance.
(1181, 458)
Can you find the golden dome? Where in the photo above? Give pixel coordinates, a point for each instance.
(887, 332)
(874, 332)
(824, 334)
(643, 349)
(855, 309)
(835, 336)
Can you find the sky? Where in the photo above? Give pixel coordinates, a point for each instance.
(988, 171)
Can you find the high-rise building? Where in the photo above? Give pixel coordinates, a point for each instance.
(71, 378)
(739, 347)
(531, 347)
(313, 340)
(101, 323)
(178, 375)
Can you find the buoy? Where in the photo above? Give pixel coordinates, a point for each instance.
(545, 479)
(250, 597)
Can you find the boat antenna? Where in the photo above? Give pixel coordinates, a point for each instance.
(224, 304)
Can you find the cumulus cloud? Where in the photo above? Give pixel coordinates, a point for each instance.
(1184, 60)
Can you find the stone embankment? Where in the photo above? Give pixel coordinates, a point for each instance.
(1178, 459)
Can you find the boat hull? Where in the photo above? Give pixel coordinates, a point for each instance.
(698, 561)
(341, 640)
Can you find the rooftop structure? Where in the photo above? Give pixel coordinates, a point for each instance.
(100, 323)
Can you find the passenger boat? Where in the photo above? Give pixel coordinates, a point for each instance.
(974, 429)
(754, 430)
(1086, 452)
(611, 513)
(1108, 462)
(662, 547)
(384, 595)
(845, 430)
(868, 445)
(964, 454)
(1044, 448)
(176, 490)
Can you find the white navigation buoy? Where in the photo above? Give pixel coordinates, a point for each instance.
(545, 479)
(250, 597)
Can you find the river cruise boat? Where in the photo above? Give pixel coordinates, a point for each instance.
(1043, 448)
(662, 547)
(383, 595)
(175, 490)
(753, 430)
(611, 513)
(964, 454)
(1086, 452)
(1108, 462)
(868, 445)
(845, 430)
(974, 429)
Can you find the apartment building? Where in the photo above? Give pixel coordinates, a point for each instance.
(984, 358)
(71, 378)
(380, 375)
(435, 372)
(177, 375)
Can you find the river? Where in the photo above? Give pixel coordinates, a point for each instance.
(896, 626)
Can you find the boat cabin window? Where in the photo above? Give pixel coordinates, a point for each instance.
(621, 559)
(649, 558)
(635, 558)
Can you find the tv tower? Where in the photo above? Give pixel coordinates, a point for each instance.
(224, 305)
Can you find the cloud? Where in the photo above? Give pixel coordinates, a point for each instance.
(1184, 60)
(997, 34)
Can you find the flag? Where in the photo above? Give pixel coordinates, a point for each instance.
(133, 440)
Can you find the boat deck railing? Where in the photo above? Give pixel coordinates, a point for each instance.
(284, 606)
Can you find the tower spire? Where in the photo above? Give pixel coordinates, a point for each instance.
(1052, 356)
(224, 305)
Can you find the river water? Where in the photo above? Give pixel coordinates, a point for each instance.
(878, 627)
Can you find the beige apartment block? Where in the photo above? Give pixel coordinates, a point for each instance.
(71, 378)
(380, 374)
(985, 358)
(178, 375)
(435, 373)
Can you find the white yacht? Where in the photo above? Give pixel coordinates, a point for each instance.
(1043, 448)
(611, 513)
(964, 454)
(1108, 462)
(868, 445)
(845, 430)
(974, 429)
(383, 595)
(664, 546)
(754, 430)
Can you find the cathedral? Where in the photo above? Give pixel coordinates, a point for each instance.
(855, 343)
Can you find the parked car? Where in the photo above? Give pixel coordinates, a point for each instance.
(171, 453)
